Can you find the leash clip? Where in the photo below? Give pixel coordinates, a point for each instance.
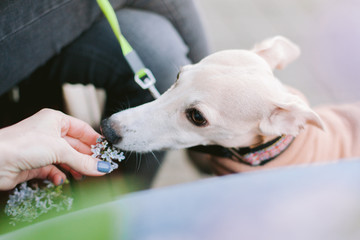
(146, 80)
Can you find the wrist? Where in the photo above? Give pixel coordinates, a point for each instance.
(7, 157)
(7, 149)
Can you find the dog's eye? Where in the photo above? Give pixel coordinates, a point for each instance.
(196, 117)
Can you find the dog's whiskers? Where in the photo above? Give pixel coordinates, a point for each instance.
(129, 154)
(157, 160)
(138, 165)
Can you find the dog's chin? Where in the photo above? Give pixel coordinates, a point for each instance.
(140, 147)
(145, 148)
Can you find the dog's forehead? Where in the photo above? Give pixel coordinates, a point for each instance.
(225, 64)
(227, 69)
(236, 58)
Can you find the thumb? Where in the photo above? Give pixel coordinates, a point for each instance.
(85, 164)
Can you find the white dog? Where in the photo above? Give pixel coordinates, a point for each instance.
(232, 99)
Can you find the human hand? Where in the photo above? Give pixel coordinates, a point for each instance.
(223, 166)
(30, 148)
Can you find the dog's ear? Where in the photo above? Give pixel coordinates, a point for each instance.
(289, 117)
(277, 51)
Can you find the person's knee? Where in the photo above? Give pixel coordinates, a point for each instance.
(158, 44)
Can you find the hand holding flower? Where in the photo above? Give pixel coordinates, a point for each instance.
(31, 149)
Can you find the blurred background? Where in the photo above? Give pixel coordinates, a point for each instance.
(327, 32)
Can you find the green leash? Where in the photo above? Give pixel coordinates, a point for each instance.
(142, 75)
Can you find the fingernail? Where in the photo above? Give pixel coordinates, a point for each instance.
(61, 182)
(103, 166)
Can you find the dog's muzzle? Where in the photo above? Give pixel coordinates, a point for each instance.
(109, 132)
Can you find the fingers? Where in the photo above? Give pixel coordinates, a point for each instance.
(75, 174)
(55, 122)
(49, 172)
(78, 129)
(78, 145)
(218, 169)
(224, 166)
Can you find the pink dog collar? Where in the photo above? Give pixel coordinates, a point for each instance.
(263, 153)
(257, 156)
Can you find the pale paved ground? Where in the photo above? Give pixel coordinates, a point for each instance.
(327, 32)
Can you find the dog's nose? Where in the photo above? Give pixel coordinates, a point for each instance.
(109, 132)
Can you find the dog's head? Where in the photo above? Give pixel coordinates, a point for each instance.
(230, 98)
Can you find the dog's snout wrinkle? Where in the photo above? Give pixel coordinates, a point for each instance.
(109, 132)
